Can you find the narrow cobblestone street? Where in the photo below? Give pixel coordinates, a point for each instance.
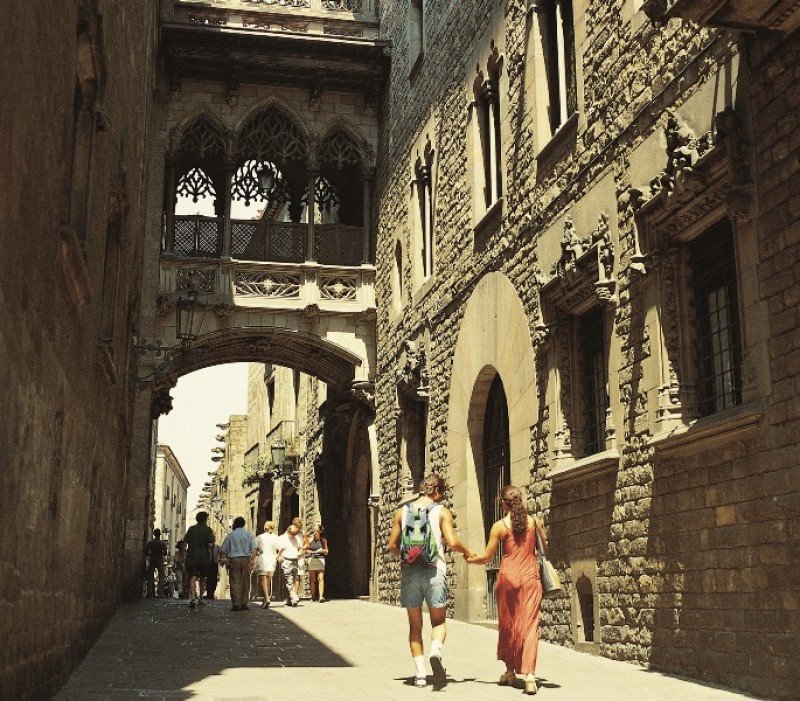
(338, 650)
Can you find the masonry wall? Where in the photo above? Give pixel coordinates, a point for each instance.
(692, 544)
(65, 425)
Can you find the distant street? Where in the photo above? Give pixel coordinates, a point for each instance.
(337, 650)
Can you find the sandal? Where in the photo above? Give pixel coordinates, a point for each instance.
(507, 679)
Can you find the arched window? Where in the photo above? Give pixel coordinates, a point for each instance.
(340, 201)
(193, 204)
(271, 157)
(199, 160)
(424, 176)
(397, 278)
(486, 89)
(496, 474)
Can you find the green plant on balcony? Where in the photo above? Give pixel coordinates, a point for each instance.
(256, 470)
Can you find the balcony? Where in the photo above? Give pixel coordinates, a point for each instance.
(748, 15)
(267, 241)
(335, 18)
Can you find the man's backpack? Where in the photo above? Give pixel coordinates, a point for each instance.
(417, 544)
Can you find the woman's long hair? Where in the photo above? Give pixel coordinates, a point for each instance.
(512, 496)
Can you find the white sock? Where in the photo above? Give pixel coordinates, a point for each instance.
(436, 648)
(420, 663)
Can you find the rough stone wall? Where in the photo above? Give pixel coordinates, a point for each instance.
(651, 610)
(65, 423)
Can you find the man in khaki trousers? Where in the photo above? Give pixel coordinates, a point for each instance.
(239, 550)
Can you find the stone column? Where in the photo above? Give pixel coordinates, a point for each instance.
(311, 210)
(227, 179)
(367, 174)
(169, 203)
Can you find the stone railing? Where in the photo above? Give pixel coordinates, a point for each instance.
(307, 287)
(329, 17)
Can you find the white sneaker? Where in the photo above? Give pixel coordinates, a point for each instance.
(420, 682)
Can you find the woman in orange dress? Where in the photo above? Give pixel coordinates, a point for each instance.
(518, 588)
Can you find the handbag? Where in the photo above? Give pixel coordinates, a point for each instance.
(551, 582)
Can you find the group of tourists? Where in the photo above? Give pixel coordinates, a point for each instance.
(195, 571)
(422, 528)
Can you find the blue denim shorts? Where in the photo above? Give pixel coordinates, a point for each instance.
(420, 583)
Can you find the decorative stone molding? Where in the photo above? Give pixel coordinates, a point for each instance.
(270, 284)
(311, 312)
(702, 174)
(161, 404)
(586, 267)
(224, 311)
(195, 280)
(368, 316)
(164, 306)
(777, 15)
(338, 287)
(413, 382)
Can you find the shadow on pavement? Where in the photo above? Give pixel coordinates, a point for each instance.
(160, 647)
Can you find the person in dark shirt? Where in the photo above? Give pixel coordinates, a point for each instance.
(155, 550)
(199, 542)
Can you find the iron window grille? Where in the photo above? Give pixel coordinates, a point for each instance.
(592, 359)
(718, 346)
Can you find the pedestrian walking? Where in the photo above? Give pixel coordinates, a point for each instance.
(268, 543)
(317, 552)
(213, 573)
(199, 544)
(156, 551)
(420, 530)
(239, 552)
(181, 580)
(290, 549)
(518, 588)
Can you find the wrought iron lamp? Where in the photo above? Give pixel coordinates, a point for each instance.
(282, 467)
(186, 330)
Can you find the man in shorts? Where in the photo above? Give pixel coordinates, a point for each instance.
(199, 541)
(427, 582)
(291, 547)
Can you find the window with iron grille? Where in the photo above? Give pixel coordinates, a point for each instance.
(592, 359)
(718, 346)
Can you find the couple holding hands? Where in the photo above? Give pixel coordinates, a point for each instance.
(420, 531)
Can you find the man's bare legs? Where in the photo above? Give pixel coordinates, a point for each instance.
(415, 632)
(415, 644)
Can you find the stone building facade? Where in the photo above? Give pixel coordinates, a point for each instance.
(587, 286)
(79, 80)
(169, 497)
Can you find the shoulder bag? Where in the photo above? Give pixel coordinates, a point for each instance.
(551, 582)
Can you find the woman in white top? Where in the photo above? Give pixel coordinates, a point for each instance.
(268, 544)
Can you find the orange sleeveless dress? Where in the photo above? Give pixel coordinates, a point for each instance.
(519, 598)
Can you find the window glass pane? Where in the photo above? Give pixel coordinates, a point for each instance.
(718, 343)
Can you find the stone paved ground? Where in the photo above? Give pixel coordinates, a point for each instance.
(338, 650)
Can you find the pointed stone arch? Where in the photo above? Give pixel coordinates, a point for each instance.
(300, 350)
(269, 103)
(181, 129)
(345, 126)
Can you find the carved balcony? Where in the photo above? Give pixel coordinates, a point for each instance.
(307, 288)
(749, 15)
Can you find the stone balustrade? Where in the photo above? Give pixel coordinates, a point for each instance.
(307, 287)
(334, 18)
